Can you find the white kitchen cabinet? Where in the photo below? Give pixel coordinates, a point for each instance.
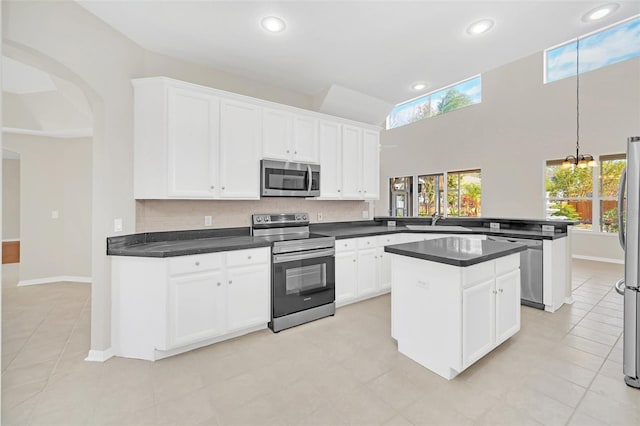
(196, 308)
(447, 317)
(289, 137)
(346, 276)
(370, 165)
(240, 135)
(246, 294)
(368, 271)
(330, 141)
(165, 306)
(351, 162)
(193, 121)
(191, 144)
(478, 321)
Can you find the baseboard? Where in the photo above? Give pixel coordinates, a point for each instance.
(51, 280)
(99, 356)
(568, 300)
(598, 259)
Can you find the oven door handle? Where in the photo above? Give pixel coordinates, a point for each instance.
(311, 254)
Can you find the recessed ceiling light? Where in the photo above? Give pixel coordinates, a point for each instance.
(480, 27)
(272, 24)
(600, 12)
(419, 86)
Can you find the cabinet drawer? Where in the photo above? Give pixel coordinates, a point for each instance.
(507, 263)
(195, 263)
(367, 242)
(248, 257)
(345, 245)
(389, 239)
(479, 273)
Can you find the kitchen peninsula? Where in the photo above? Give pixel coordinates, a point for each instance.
(453, 300)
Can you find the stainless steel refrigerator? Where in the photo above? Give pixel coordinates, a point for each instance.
(629, 223)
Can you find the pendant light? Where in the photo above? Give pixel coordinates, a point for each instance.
(582, 161)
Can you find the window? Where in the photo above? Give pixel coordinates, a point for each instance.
(446, 194)
(431, 195)
(450, 98)
(401, 196)
(464, 190)
(609, 46)
(611, 167)
(569, 193)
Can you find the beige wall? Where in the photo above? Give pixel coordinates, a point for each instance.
(520, 123)
(162, 215)
(10, 199)
(55, 175)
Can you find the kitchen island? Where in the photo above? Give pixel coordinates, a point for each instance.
(453, 300)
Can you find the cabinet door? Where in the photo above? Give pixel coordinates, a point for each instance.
(346, 277)
(351, 162)
(196, 308)
(305, 139)
(370, 165)
(192, 143)
(248, 296)
(384, 269)
(507, 305)
(367, 271)
(240, 132)
(478, 321)
(276, 133)
(330, 160)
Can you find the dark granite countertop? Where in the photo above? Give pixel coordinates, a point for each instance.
(354, 230)
(456, 251)
(181, 243)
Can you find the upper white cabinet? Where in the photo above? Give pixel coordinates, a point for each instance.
(192, 143)
(239, 150)
(195, 142)
(330, 159)
(289, 137)
(350, 156)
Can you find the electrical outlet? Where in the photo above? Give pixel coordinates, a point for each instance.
(55, 214)
(548, 228)
(365, 214)
(319, 217)
(208, 220)
(117, 225)
(494, 226)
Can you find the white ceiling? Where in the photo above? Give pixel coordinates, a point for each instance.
(378, 48)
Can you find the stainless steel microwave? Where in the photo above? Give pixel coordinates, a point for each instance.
(289, 179)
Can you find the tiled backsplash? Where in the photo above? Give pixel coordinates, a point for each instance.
(175, 215)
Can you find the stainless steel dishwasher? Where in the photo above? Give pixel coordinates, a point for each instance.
(530, 270)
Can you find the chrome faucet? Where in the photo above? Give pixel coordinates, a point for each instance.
(435, 218)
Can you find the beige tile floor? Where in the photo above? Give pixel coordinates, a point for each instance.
(562, 368)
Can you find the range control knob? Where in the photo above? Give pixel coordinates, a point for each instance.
(267, 218)
(305, 218)
(259, 219)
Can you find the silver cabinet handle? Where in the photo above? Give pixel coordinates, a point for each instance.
(223, 188)
(338, 190)
(230, 282)
(219, 284)
(212, 187)
(249, 257)
(495, 292)
(197, 263)
(354, 260)
(295, 152)
(620, 286)
(501, 290)
(287, 151)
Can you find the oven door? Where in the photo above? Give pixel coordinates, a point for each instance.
(288, 179)
(302, 280)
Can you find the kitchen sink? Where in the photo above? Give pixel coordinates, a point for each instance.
(437, 228)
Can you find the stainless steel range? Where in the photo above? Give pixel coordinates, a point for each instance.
(302, 269)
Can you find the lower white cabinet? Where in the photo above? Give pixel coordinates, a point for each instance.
(196, 308)
(446, 317)
(165, 306)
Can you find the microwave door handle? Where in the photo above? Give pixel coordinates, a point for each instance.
(309, 179)
(621, 225)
